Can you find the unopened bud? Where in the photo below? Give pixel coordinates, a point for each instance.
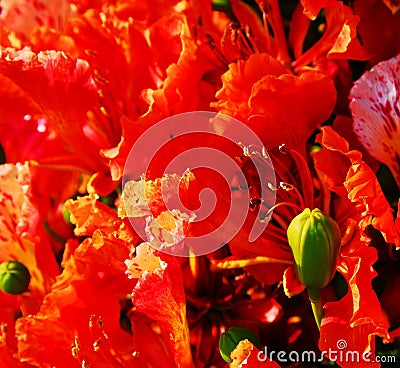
(315, 242)
(14, 277)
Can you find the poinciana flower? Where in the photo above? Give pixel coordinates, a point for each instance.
(120, 67)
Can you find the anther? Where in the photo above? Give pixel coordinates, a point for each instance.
(283, 149)
(286, 186)
(97, 344)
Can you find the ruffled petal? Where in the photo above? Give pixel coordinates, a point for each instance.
(291, 283)
(23, 16)
(375, 106)
(63, 88)
(159, 294)
(89, 215)
(79, 320)
(361, 185)
(151, 197)
(22, 237)
(292, 105)
(350, 324)
(238, 81)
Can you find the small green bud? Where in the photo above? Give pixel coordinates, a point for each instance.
(14, 277)
(315, 242)
(231, 338)
(67, 216)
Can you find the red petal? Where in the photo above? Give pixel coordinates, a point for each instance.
(362, 187)
(89, 215)
(313, 7)
(354, 320)
(339, 39)
(7, 359)
(375, 107)
(62, 87)
(159, 294)
(298, 31)
(291, 282)
(152, 197)
(292, 105)
(393, 5)
(22, 237)
(22, 17)
(83, 309)
(238, 82)
(377, 20)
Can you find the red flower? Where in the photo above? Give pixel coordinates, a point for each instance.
(80, 316)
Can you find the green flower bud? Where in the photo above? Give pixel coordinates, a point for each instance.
(14, 277)
(315, 242)
(231, 338)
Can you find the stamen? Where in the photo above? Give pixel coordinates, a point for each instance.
(219, 55)
(3, 334)
(272, 16)
(250, 40)
(286, 204)
(239, 188)
(289, 187)
(254, 202)
(283, 149)
(101, 342)
(236, 36)
(246, 42)
(97, 344)
(324, 194)
(305, 177)
(280, 168)
(268, 36)
(272, 187)
(227, 264)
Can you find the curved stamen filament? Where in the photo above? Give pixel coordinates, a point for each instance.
(286, 204)
(305, 177)
(272, 15)
(289, 187)
(245, 262)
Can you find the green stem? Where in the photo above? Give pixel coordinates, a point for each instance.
(316, 304)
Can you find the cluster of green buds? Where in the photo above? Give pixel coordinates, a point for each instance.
(14, 277)
(231, 338)
(315, 242)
